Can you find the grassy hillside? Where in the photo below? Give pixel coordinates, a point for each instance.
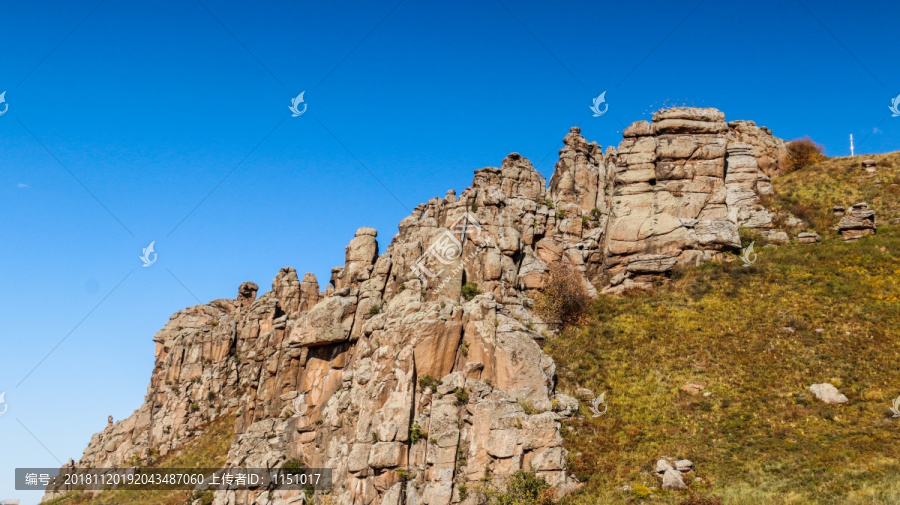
(812, 192)
(756, 338)
(207, 451)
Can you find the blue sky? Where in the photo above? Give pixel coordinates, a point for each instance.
(126, 119)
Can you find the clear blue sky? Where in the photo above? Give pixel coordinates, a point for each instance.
(124, 116)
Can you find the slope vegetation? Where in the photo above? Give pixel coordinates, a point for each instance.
(755, 338)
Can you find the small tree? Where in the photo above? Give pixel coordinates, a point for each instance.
(802, 153)
(565, 301)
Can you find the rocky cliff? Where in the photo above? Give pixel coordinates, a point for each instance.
(400, 363)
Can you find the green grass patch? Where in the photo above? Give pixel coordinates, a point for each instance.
(756, 337)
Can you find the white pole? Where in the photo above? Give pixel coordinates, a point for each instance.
(851, 144)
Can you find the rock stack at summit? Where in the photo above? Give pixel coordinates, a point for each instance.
(393, 367)
(683, 187)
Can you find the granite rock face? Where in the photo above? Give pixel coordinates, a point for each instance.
(770, 151)
(684, 183)
(334, 377)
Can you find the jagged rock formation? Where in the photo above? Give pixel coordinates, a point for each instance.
(342, 378)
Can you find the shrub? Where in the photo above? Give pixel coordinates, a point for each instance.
(641, 491)
(194, 407)
(292, 466)
(802, 153)
(561, 214)
(205, 497)
(549, 203)
(469, 290)
(462, 397)
(375, 310)
(473, 208)
(595, 213)
(528, 407)
(522, 488)
(429, 382)
(565, 300)
(416, 433)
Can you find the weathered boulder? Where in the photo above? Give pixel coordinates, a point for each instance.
(858, 222)
(828, 393)
(808, 238)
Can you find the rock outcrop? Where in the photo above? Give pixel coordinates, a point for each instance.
(683, 187)
(393, 366)
(857, 222)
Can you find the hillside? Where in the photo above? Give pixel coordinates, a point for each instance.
(755, 338)
(206, 451)
(432, 371)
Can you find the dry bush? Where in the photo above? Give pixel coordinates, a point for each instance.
(803, 153)
(565, 301)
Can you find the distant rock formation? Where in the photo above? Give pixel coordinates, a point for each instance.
(335, 377)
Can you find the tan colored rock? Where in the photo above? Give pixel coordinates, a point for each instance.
(770, 151)
(332, 377)
(858, 222)
(247, 294)
(580, 174)
(309, 292)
